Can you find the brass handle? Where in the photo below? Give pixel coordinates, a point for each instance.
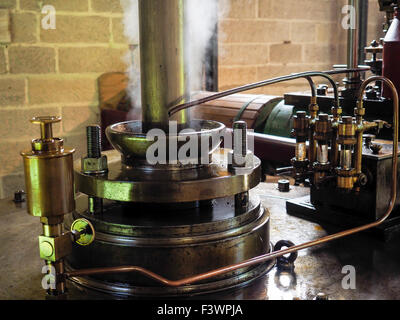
(46, 122)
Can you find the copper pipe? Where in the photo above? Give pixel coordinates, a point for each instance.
(259, 84)
(361, 126)
(312, 86)
(324, 74)
(275, 254)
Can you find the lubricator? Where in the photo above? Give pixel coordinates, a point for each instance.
(49, 173)
(49, 180)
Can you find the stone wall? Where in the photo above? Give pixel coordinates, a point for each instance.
(54, 72)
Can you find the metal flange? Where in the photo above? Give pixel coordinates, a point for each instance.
(126, 184)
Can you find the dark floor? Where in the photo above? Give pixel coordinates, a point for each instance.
(318, 269)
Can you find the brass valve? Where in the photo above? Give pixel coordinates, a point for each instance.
(46, 142)
(83, 232)
(46, 128)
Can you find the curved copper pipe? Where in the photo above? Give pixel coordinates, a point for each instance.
(275, 254)
(307, 74)
(255, 85)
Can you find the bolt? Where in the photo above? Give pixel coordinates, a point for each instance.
(93, 141)
(240, 150)
(284, 185)
(19, 196)
(95, 205)
(240, 140)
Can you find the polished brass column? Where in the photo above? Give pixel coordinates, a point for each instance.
(162, 60)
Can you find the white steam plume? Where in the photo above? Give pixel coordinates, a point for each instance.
(132, 58)
(201, 18)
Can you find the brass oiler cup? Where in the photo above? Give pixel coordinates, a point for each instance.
(49, 175)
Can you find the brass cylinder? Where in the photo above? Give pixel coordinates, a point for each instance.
(162, 61)
(49, 173)
(346, 139)
(300, 131)
(49, 182)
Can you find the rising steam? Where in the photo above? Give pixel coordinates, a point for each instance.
(201, 18)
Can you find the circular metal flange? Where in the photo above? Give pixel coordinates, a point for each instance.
(144, 222)
(126, 184)
(176, 256)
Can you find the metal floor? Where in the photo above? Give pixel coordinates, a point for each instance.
(318, 269)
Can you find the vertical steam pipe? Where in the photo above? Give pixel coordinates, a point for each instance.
(352, 38)
(162, 67)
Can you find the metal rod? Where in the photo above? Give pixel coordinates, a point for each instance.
(325, 74)
(162, 63)
(352, 38)
(363, 30)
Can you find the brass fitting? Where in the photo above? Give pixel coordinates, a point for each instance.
(323, 128)
(301, 131)
(359, 111)
(49, 173)
(49, 180)
(336, 113)
(313, 108)
(346, 173)
(301, 127)
(55, 248)
(347, 131)
(322, 135)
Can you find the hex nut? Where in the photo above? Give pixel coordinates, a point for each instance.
(94, 165)
(241, 169)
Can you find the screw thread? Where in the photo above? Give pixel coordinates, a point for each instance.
(93, 141)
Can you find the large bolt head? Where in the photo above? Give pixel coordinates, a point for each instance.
(94, 165)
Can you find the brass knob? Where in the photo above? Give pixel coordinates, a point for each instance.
(46, 122)
(83, 231)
